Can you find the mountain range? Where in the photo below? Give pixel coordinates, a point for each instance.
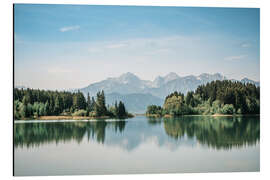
(137, 94)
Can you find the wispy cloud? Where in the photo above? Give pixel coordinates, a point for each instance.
(69, 28)
(56, 70)
(154, 45)
(245, 45)
(231, 58)
(119, 45)
(94, 50)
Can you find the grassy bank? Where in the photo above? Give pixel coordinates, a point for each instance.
(212, 115)
(71, 117)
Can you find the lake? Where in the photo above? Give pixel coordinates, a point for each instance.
(137, 145)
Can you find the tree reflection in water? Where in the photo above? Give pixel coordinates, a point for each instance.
(215, 132)
(36, 134)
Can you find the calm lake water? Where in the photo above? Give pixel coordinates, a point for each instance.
(137, 145)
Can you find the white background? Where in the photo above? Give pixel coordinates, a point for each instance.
(6, 75)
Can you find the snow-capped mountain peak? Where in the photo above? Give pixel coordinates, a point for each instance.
(171, 76)
(161, 86)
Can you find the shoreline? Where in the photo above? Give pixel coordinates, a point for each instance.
(232, 115)
(107, 117)
(212, 115)
(69, 118)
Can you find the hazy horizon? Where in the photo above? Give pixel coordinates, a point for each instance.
(25, 86)
(72, 46)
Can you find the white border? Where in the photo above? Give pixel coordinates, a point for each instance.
(202, 3)
(6, 86)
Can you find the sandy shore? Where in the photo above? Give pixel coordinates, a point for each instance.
(217, 115)
(213, 115)
(107, 117)
(70, 117)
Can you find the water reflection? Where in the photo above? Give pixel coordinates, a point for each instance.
(214, 132)
(36, 134)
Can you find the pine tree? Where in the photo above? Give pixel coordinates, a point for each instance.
(75, 103)
(57, 106)
(46, 111)
(100, 104)
(24, 101)
(93, 102)
(116, 109)
(51, 108)
(122, 110)
(88, 103)
(190, 99)
(22, 110)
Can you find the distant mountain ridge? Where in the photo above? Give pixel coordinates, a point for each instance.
(21, 87)
(135, 103)
(129, 83)
(137, 94)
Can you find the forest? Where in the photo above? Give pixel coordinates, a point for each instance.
(216, 97)
(31, 103)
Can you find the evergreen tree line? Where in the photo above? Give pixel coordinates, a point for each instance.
(216, 97)
(34, 103)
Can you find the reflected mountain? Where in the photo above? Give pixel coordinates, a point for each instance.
(212, 132)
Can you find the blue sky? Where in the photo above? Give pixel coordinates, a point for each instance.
(71, 46)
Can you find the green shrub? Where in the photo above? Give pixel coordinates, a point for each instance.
(228, 109)
(239, 111)
(80, 112)
(92, 114)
